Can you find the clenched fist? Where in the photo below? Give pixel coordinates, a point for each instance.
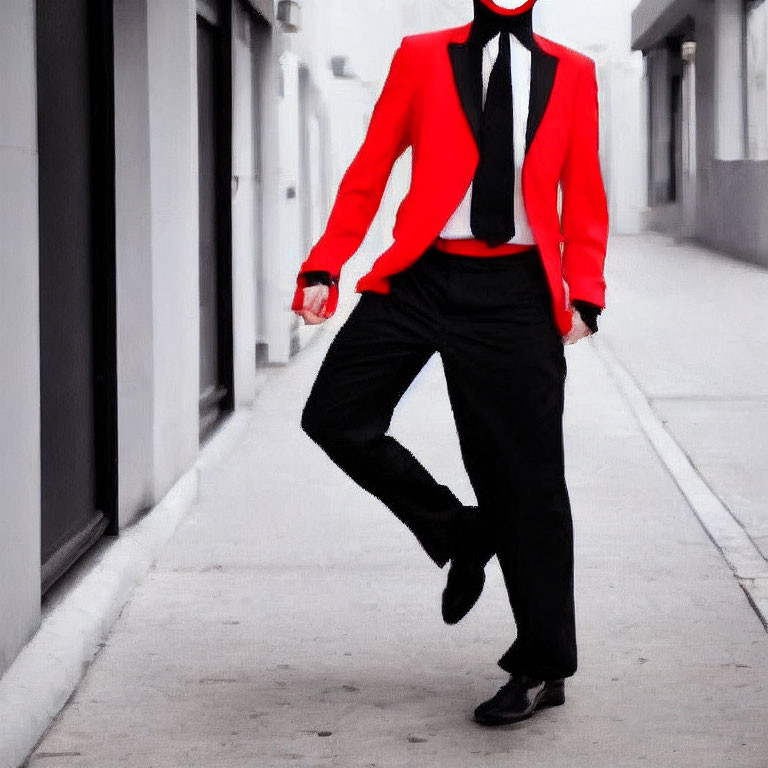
(313, 311)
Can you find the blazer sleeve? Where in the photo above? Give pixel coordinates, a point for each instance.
(362, 186)
(585, 207)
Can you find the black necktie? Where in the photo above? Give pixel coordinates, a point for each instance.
(492, 215)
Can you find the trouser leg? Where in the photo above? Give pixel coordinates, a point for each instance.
(505, 369)
(371, 362)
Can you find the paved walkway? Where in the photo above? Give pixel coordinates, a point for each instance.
(293, 622)
(690, 325)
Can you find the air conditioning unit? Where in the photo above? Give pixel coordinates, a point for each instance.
(289, 15)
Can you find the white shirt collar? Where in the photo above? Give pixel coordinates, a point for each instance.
(491, 48)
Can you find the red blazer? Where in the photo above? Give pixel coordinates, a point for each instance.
(431, 102)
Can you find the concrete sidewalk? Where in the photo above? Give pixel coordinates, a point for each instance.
(293, 622)
(690, 326)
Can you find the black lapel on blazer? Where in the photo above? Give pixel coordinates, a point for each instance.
(467, 63)
(543, 70)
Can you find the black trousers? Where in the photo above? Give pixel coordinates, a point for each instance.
(490, 320)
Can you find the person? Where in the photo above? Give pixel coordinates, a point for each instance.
(486, 271)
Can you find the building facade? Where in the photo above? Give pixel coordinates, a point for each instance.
(163, 166)
(706, 75)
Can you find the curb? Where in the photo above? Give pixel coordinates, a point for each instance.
(49, 668)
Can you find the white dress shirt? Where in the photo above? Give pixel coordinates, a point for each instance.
(458, 226)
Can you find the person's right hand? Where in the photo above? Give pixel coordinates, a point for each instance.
(313, 310)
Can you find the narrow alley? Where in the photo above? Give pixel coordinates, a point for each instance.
(292, 621)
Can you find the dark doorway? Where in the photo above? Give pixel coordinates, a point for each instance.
(675, 134)
(214, 77)
(77, 279)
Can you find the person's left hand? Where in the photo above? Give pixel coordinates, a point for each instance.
(579, 329)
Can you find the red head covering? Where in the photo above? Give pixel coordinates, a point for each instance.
(526, 6)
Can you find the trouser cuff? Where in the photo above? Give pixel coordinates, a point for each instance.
(514, 663)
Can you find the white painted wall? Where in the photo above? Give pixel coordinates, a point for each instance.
(157, 247)
(172, 56)
(757, 82)
(274, 317)
(727, 203)
(623, 143)
(19, 334)
(157, 269)
(135, 358)
(728, 93)
(601, 28)
(287, 195)
(246, 195)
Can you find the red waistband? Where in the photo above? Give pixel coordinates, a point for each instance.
(472, 247)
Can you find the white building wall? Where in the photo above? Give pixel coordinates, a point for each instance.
(134, 269)
(157, 236)
(757, 82)
(275, 318)
(19, 334)
(731, 194)
(288, 193)
(624, 143)
(728, 86)
(172, 56)
(157, 264)
(246, 197)
(728, 196)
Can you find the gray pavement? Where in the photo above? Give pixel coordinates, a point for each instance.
(292, 621)
(690, 326)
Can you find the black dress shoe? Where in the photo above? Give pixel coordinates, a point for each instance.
(462, 589)
(472, 549)
(518, 699)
